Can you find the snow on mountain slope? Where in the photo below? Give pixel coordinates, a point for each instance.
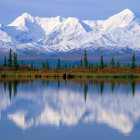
(61, 35)
(4, 36)
(20, 22)
(121, 20)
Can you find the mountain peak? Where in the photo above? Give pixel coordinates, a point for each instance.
(26, 15)
(120, 20)
(126, 12)
(20, 21)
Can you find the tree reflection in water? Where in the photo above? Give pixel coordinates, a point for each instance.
(44, 104)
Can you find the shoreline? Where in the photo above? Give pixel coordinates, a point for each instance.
(65, 75)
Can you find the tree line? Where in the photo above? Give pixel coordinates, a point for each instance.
(12, 62)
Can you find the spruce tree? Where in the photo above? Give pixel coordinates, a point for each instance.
(10, 59)
(15, 63)
(101, 63)
(22, 63)
(5, 62)
(92, 66)
(47, 65)
(14, 60)
(118, 65)
(66, 67)
(81, 63)
(58, 64)
(69, 67)
(133, 66)
(112, 63)
(85, 60)
(43, 65)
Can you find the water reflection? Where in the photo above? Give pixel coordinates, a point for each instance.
(59, 102)
(133, 87)
(85, 90)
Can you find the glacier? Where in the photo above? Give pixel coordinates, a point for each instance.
(69, 37)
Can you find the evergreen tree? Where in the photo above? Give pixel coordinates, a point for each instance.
(101, 63)
(58, 64)
(15, 63)
(118, 65)
(22, 63)
(133, 66)
(10, 59)
(85, 60)
(5, 62)
(92, 66)
(66, 67)
(47, 65)
(112, 63)
(81, 63)
(43, 65)
(69, 67)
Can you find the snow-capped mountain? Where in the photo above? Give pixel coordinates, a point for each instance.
(34, 36)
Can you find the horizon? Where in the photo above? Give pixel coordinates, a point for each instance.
(89, 9)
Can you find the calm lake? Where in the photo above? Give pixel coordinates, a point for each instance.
(70, 110)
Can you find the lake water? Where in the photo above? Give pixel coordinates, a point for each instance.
(70, 110)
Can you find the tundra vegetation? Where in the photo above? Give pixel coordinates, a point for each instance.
(11, 68)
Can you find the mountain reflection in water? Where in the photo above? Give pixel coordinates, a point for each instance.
(115, 103)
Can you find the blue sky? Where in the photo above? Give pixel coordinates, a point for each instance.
(83, 9)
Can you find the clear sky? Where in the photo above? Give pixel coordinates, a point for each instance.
(83, 9)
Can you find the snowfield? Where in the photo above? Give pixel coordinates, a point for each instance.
(35, 36)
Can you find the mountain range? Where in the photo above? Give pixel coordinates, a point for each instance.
(67, 38)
